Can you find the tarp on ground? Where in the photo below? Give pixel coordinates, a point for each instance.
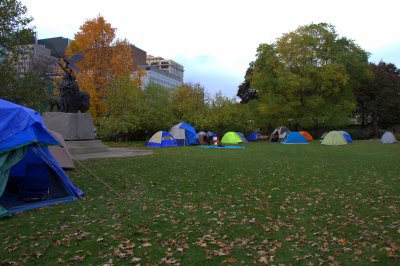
(388, 138)
(334, 138)
(30, 177)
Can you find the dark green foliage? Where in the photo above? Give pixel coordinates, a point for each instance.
(378, 100)
(308, 76)
(13, 27)
(245, 92)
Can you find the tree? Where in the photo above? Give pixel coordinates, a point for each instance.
(156, 109)
(104, 60)
(29, 88)
(123, 117)
(14, 29)
(226, 114)
(378, 100)
(245, 92)
(308, 77)
(188, 103)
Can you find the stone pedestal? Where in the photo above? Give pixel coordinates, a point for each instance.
(72, 126)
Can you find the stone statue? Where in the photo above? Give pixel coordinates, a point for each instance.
(70, 100)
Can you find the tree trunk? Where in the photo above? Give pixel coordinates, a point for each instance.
(375, 124)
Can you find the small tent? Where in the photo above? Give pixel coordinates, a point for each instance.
(202, 138)
(61, 153)
(231, 138)
(307, 135)
(162, 139)
(279, 133)
(346, 136)
(241, 135)
(30, 177)
(184, 134)
(334, 138)
(294, 138)
(254, 136)
(388, 138)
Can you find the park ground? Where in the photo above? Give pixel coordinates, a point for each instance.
(268, 203)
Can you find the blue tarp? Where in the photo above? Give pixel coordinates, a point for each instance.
(36, 171)
(221, 147)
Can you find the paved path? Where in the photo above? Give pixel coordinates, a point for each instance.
(112, 153)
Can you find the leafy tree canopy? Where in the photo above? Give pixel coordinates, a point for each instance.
(308, 76)
(245, 92)
(378, 100)
(105, 59)
(14, 29)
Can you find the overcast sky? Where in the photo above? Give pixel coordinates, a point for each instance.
(215, 40)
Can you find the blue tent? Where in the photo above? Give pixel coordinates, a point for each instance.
(184, 134)
(346, 136)
(254, 136)
(30, 177)
(162, 139)
(294, 138)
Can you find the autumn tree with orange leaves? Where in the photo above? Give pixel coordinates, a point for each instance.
(105, 60)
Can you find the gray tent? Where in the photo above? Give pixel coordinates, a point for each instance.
(388, 138)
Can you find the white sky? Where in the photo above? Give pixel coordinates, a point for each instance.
(215, 40)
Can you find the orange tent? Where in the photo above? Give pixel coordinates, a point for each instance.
(307, 135)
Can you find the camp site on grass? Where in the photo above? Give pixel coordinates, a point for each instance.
(30, 177)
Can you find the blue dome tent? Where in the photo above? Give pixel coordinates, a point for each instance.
(294, 138)
(346, 136)
(184, 134)
(162, 139)
(30, 177)
(254, 136)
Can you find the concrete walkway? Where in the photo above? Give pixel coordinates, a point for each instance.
(112, 153)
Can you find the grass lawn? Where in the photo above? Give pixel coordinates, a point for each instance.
(266, 204)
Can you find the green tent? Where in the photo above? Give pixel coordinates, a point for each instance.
(231, 138)
(334, 138)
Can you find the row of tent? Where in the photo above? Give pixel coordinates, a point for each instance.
(30, 176)
(184, 134)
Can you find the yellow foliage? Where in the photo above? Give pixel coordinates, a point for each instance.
(104, 60)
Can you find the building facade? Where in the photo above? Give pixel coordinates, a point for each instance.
(38, 57)
(56, 45)
(164, 72)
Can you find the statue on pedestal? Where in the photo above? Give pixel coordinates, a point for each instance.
(70, 100)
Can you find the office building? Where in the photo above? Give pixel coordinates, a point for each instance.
(164, 72)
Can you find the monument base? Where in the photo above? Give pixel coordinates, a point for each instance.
(72, 126)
